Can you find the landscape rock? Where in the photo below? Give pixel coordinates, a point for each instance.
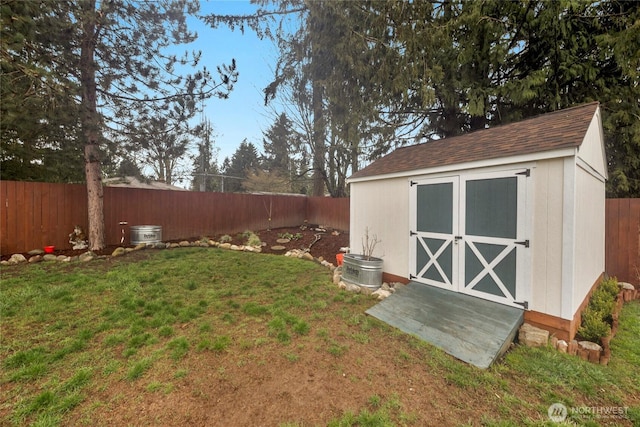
(140, 246)
(588, 345)
(531, 336)
(87, 256)
(591, 349)
(185, 244)
(350, 287)
(366, 291)
(49, 257)
(225, 246)
(118, 252)
(283, 241)
(626, 286)
(35, 258)
(337, 274)
(17, 259)
(307, 256)
(562, 346)
(381, 294)
(174, 245)
(278, 248)
(5, 263)
(36, 252)
(63, 258)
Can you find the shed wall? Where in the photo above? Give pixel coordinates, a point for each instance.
(382, 207)
(546, 237)
(590, 234)
(592, 149)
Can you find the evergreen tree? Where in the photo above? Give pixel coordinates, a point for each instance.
(39, 137)
(244, 161)
(280, 143)
(205, 168)
(73, 72)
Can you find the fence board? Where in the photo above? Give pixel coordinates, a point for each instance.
(623, 239)
(323, 210)
(634, 256)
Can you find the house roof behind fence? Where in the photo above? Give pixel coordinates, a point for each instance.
(560, 129)
(133, 182)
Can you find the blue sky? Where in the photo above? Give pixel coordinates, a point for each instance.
(243, 114)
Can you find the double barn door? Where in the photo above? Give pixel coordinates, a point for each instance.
(467, 235)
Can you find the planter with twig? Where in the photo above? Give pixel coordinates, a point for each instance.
(363, 269)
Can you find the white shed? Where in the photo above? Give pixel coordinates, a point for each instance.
(513, 214)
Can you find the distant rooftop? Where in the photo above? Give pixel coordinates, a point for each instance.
(133, 182)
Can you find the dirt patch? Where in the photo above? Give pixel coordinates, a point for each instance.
(322, 243)
(325, 242)
(267, 386)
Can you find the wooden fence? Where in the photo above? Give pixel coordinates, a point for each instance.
(623, 239)
(36, 214)
(33, 215)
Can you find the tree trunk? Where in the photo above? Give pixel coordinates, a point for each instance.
(319, 135)
(90, 126)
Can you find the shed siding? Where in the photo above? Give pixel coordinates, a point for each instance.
(592, 150)
(590, 234)
(546, 239)
(382, 207)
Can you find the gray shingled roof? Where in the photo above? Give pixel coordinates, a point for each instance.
(559, 129)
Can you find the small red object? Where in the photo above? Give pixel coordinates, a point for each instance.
(49, 249)
(340, 259)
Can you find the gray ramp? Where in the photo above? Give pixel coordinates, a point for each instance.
(471, 329)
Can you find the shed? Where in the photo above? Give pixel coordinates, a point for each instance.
(513, 214)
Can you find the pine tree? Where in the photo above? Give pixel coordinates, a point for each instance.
(244, 161)
(39, 138)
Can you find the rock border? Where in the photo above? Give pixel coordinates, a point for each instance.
(532, 336)
(37, 255)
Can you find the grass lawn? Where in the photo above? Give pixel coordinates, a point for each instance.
(211, 337)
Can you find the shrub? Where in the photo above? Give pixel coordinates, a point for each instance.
(610, 286)
(226, 239)
(597, 317)
(593, 326)
(252, 239)
(601, 302)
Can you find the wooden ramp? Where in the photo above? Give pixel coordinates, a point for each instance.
(471, 329)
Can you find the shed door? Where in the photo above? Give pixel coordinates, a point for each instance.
(467, 235)
(434, 232)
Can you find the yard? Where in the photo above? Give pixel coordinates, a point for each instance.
(210, 337)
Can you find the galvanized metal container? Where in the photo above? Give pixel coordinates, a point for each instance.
(146, 234)
(362, 270)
